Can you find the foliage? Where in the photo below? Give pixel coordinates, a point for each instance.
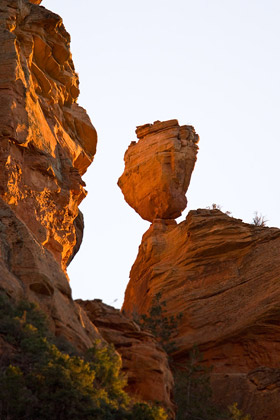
(143, 411)
(41, 381)
(236, 414)
(259, 219)
(218, 207)
(193, 392)
(215, 206)
(160, 325)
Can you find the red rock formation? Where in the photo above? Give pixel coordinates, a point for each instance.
(158, 169)
(46, 143)
(28, 270)
(47, 140)
(144, 362)
(222, 275)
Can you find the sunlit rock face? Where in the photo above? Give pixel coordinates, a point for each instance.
(144, 362)
(158, 169)
(46, 143)
(222, 275)
(47, 140)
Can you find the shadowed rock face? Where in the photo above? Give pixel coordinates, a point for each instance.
(222, 275)
(47, 140)
(144, 362)
(29, 271)
(158, 169)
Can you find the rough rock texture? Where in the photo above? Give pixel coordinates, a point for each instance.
(29, 271)
(223, 276)
(46, 143)
(47, 140)
(144, 362)
(158, 169)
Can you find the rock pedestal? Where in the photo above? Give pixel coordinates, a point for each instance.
(222, 276)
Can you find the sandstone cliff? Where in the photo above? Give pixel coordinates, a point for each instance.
(220, 274)
(144, 361)
(46, 144)
(47, 140)
(222, 277)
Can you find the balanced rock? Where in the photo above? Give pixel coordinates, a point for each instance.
(222, 277)
(158, 169)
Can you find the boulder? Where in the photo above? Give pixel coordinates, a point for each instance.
(158, 169)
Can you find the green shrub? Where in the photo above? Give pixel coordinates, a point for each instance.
(193, 392)
(159, 324)
(41, 381)
(236, 414)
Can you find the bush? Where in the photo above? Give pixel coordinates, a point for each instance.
(236, 414)
(160, 325)
(193, 392)
(259, 219)
(41, 381)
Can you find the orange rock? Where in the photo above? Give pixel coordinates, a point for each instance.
(47, 140)
(46, 143)
(222, 275)
(29, 271)
(158, 169)
(148, 374)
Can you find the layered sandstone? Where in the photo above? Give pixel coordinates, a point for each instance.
(46, 143)
(158, 169)
(143, 360)
(47, 140)
(29, 271)
(222, 276)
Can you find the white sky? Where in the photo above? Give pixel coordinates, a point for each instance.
(214, 64)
